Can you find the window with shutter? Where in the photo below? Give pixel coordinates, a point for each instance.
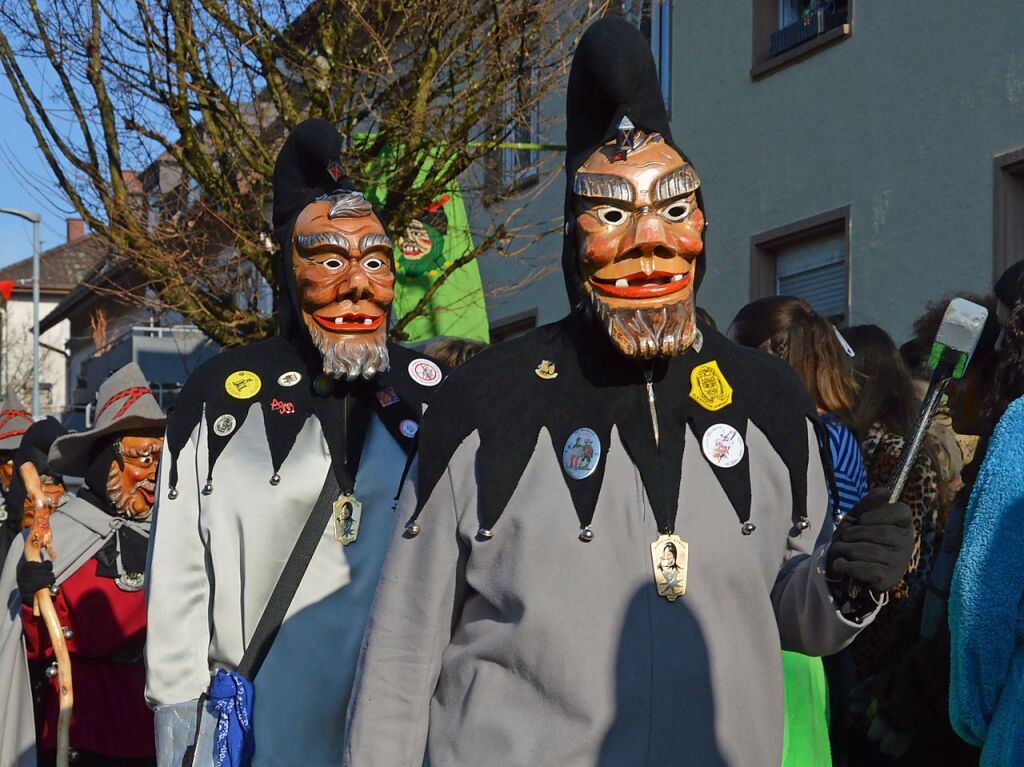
(808, 259)
(816, 272)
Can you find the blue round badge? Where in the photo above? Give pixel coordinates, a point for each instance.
(581, 453)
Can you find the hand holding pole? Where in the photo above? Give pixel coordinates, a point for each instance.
(40, 538)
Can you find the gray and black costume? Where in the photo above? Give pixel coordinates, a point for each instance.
(517, 620)
(239, 479)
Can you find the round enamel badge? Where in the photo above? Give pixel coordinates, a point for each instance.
(723, 445)
(290, 378)
(243, 384)
(425, 372)
(581, 453)
(409, 427)
(224, 425)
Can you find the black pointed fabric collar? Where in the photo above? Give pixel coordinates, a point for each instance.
(597, 388)
(395, 396)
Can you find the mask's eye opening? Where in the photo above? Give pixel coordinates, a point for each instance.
(677, 211)
(373, 263)
(612, 216)
(334, 264)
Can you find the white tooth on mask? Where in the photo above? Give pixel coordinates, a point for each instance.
(677, 277)
(368, 321)
(622, 282)
(339, 320)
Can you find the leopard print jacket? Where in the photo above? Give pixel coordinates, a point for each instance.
(882, 451)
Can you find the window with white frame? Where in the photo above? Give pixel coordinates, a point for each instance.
(654, 18)
(521, 113)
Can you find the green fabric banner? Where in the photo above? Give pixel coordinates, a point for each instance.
(428, 247)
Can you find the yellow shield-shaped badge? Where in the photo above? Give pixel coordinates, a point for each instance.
(708, 387)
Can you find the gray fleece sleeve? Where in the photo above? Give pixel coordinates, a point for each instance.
(177, 608)
(417, 601)
(809, 621)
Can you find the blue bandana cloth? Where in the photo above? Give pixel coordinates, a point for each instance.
(231, 698)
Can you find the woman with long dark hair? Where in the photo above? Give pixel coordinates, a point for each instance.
(884, 415)
(789, 328)
(987, 593)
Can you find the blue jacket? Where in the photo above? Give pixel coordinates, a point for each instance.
(986, 612)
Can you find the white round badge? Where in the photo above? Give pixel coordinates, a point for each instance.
(581, 454)
(425, 372)
(409, 427)
(224, 425)
(290, 378)
(723, 445)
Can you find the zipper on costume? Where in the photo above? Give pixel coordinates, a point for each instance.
(652, 405)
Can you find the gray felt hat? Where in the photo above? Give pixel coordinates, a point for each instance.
(124, 403)
(14, 420)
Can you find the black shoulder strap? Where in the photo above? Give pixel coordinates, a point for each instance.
(281, 598)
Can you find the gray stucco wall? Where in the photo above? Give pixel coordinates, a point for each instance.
(517, 282)
(900, 120)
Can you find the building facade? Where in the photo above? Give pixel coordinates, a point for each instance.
(868, 157)
(61, 269)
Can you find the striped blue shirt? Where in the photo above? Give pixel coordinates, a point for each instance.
(847, 464)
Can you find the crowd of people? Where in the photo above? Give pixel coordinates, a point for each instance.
(888, 692)
(658, 544)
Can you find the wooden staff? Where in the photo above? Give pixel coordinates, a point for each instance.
(40, 537)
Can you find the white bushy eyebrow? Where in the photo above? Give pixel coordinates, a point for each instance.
(603, 186)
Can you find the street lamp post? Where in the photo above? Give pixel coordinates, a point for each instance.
(35, 218)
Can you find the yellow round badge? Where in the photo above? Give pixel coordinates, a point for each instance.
(243, 384)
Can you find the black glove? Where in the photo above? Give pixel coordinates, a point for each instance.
(873, 544)
(32, 576)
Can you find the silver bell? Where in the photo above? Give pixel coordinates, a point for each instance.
(54, 590)
(275, 479)
(172, 493)
(586, 534)
(68, 633)
(208, 488)
(748, 528)
(802, 523)
(51, 670)
(412, 529)
(484, 533)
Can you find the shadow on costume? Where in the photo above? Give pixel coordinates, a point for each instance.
(664, 708)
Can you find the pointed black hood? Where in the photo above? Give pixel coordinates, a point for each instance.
(613, 76)
(306, 168)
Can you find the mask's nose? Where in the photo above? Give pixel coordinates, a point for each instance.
(358, 285)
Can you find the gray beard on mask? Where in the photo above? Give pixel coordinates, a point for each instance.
(665, 331)
(351, 357)
(120, 500)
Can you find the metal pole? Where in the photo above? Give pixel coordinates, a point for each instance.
(35, 218)
(35, 319)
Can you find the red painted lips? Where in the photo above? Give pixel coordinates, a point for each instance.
(350, 323)
(640, 285)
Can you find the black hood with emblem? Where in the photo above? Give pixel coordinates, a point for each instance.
(280, 373)
(613, 76)
(595, 386)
